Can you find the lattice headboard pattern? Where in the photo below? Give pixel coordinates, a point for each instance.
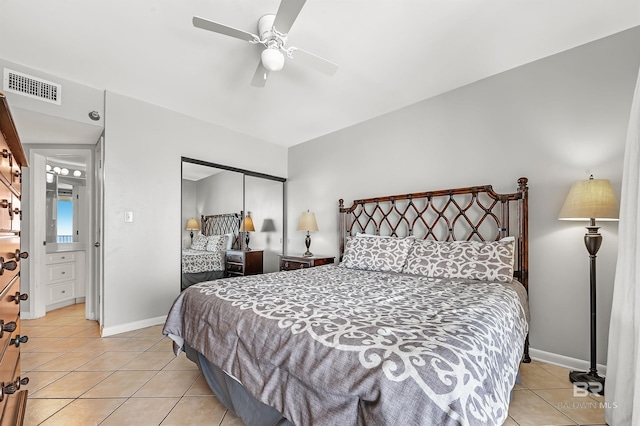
(461, 214)
(220, 224)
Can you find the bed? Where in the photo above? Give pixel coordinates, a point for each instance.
(204, 260)
(424, 321)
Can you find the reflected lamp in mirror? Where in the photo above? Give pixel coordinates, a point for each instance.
(192, 225)
(247, 226)
(590, 200)
(308, 223)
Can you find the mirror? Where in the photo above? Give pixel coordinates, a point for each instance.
(213, 189)
(65, 192)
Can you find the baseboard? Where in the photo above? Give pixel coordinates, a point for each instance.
(131, 326)
(565, 361)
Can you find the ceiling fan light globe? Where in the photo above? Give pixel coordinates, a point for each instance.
(272, 59)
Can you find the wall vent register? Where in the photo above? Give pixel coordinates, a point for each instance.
(33, 87)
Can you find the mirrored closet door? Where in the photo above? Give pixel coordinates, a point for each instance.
(226, 200)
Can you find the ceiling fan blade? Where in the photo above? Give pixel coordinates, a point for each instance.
(287, 14)
(260, 77)
(320, 64)
(205, 24)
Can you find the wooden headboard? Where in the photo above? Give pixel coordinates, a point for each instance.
(461, 214)
(220, 224)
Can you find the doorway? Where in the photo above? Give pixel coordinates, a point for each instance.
(61, 228)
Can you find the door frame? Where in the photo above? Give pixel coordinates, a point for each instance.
(37, 229)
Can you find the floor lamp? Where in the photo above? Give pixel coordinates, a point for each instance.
(590, 200)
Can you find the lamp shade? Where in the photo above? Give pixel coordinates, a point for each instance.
(590, 199)
(272, 59)
(308, 222)
(192, 225)
(247, 225)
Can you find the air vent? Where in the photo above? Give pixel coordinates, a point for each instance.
(33, 87)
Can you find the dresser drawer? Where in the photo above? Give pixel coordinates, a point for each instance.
(61, 272)
(7, 200)
(8, 247)
(60, 292)
(9, 316)
(61, 257)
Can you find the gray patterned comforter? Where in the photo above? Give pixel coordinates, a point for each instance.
(194, 261)
(331, 345)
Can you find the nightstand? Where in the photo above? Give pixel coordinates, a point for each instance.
(289, 263)
(242, 262)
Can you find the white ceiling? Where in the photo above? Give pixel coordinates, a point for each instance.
(391, 53)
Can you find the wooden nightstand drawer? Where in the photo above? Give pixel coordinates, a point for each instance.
(290, 263)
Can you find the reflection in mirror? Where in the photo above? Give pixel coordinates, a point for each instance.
(208, 191)
(66, 188)
(235, 194)
(264, 201)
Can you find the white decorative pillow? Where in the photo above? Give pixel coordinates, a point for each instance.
(199, 242)
(475, 260)
(230, 239)
(384, 254)
(217, 242)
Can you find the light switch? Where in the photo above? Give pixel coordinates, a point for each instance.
(128, 217)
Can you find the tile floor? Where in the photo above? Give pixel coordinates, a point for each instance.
(78, 378)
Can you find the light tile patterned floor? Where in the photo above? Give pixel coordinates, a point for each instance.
(78, 378)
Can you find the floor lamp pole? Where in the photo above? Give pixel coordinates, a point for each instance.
(591, 380)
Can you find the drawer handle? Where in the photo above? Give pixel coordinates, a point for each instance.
(7, 154)
(10, 327)
(286, 265)
(5, 204)
(20, 255)
(18, 339)
(9, 265)
(18, 297)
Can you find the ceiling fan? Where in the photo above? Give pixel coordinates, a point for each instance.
(273, 31)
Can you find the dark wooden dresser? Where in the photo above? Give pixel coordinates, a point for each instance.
(13, 399)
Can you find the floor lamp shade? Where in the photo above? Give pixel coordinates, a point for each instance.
(308, 223)
(587, 199)
(590, 200)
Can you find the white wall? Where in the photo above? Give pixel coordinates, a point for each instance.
(220, 193)
(143, 148)
(188, 209)
(554, 121)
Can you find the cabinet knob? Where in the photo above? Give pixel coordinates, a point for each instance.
(18, 297)
(6, 154)
(18, 340)
(286, 265)
(9, 265)
(9, 327)
(20, 255)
